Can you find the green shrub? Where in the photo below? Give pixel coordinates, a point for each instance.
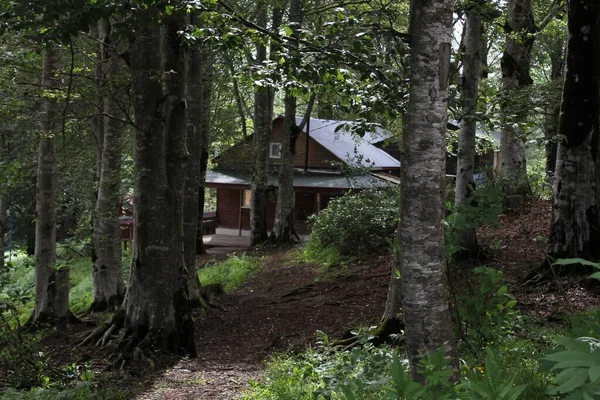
(357, 222)
(230, 273)
(486, 310)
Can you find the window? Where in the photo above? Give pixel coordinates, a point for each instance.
(275, 151)
(246, 198)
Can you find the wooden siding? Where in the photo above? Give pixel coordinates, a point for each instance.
(240, 155)
(228, 207)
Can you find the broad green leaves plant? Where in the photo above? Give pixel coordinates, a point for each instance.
(492, 384)
(578, 368)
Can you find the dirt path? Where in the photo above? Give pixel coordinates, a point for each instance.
(278, 310)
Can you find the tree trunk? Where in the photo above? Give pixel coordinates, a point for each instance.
(262, 133)
(575, 228)
(51, 284)
(263, 120)
(109, 288)
(515, 64)
(468, 125)
(197, 142)
(155, 312)
(283, 232)
(425, 293)
(552, 118)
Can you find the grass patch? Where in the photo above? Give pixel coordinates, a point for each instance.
(231, 273)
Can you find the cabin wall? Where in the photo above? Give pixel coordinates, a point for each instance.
(228, 210)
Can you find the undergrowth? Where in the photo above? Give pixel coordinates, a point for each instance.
(18, 279)
(503, 356)
(231, 273)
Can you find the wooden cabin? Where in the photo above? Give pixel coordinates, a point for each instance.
(322, 150)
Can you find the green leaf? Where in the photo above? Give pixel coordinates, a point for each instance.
(570, 379)
(594, 373)
(595, 275)
(348, 394)
(169, 10)
(571, 261)
(570, 359)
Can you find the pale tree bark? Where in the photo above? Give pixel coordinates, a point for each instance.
(283, 231)
(552, 118)
(155, 314)
(199, 73)
(51, 284)
(575, 227)
(471, 72)
(427, 321)
(263, 120)
(109, 288)
(515, 64)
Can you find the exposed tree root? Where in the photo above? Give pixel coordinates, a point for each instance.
(386, 332)
(140, 343)
(547, 272)
(300, 290)
(41, 322)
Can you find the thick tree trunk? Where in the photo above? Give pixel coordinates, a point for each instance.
(262, 133)
(263, 119)
(197, 142)
(575, 228)
(51, 284)
(468, 125)
(155, 312)
(515, 64)
(109, 288)
(425, 293)
(283, 232)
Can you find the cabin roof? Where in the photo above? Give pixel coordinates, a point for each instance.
(302, 179)
(351, 148)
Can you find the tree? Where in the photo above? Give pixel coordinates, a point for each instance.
(425, 294)
(109, 288)
(51, 283)
(515, 64)
(263, 119)
(199, 73)
(283, 231)
(575, 225)
(468, 125)
(155, 313)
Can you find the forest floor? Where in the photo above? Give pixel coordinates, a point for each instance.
(281, 308)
